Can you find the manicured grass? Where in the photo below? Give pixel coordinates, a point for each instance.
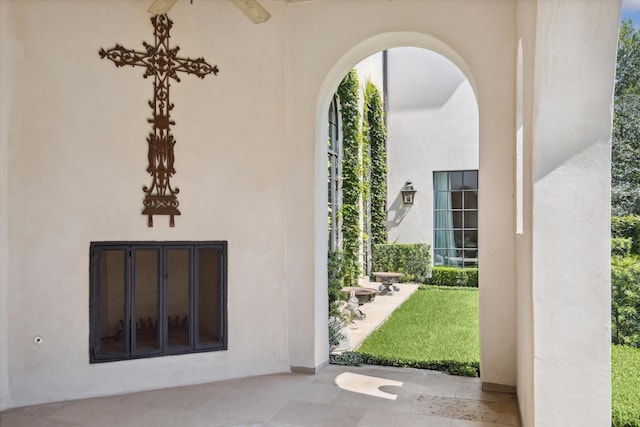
(625, 386)
(434, 327)
(437, 328)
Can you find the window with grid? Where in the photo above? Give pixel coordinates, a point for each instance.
(333, 176)
(455, 218)
(157, 298)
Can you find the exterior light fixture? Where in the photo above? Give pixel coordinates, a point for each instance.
(408, 193)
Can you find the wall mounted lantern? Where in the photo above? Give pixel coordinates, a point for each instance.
(408, 193)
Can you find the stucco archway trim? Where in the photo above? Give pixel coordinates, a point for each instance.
(328, 87)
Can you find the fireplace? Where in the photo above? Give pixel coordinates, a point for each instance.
(157, 298)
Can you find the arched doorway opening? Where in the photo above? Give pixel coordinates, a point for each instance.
(432, 127)
(306, 178)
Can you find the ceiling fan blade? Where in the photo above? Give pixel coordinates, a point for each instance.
(160, 7)
(253, 10)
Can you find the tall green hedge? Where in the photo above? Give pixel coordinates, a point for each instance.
(625, 386)
(627, 227)
(375, 134)
(621, 246)
(351, 175)
(625, 301)
(414, 260)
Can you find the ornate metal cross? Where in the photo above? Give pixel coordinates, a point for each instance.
(163, 64)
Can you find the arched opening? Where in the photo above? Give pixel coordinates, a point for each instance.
(428, 145)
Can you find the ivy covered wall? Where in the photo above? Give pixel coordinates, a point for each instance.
(364, 174)
(351, 176)
(375, 135)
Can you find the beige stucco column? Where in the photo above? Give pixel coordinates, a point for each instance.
(6, 78)
(573, 72)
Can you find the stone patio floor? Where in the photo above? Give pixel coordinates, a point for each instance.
(337, 396)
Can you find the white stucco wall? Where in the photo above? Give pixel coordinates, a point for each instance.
(6, 76)
(525, 20)
(370, 68)
(73, 159)
(70, 133)
(432, 124)
(570, 190)
(73, 134)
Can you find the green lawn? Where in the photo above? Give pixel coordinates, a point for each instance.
(436, 328)
(625, 386)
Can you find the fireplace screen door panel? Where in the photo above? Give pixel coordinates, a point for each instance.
(111, 299)
(208, 295)
(157, 298)
(179, 262)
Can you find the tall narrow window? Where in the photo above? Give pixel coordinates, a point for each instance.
(333, 176)
(519, 144)
(153, 299)
(455, 218)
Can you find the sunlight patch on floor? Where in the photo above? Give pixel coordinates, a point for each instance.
(366, 384)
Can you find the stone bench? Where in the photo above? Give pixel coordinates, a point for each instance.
(364, 295)
(387, 280)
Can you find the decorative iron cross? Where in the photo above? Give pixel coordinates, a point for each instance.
(163, 64)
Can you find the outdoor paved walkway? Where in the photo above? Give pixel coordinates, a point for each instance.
(377, 312)
(338, 396)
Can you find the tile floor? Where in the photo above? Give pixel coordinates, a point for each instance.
(337, 396)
